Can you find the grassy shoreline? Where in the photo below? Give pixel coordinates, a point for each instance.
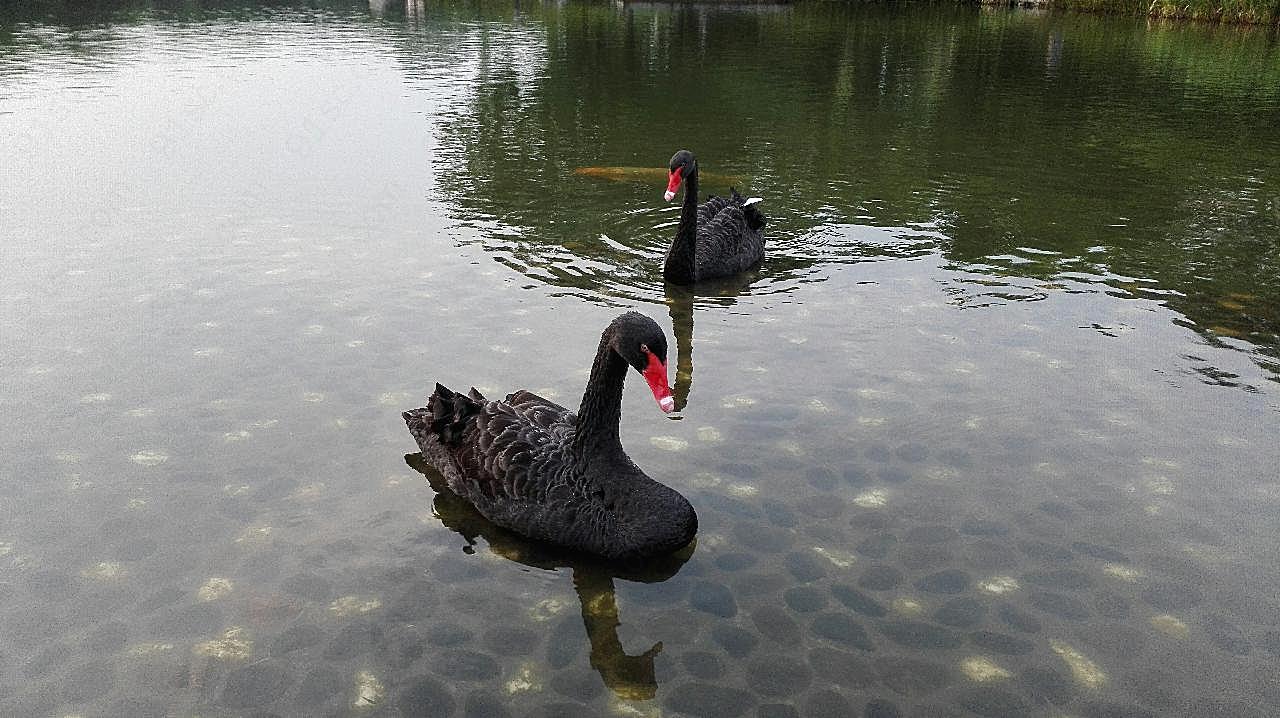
(1232, 12)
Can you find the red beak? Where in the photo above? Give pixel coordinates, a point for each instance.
(673, 184)
(656, 375)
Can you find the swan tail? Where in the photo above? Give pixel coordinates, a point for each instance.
(755, 219)
(446, 415)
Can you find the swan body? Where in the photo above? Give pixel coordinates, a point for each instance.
(721, 237)
(531, 465)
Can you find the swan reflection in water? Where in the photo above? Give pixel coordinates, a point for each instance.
(680, 301)
(629, 677)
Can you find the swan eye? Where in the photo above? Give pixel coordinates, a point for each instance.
(644, 348)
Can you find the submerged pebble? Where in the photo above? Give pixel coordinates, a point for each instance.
(805, 599)
(857, 601)
(913, 676)
(951, 580)
(993, 702)
(778, 675)
(713, 598)
(842, 629)
(737, 642)
(962, 612)
(1001, 643)
(1017, 619)
(1059, 604)
(880, 577)
(1045, 685)
(919, 634)
(708, 700)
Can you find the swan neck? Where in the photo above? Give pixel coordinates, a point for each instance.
(601, 409)
(680, 265)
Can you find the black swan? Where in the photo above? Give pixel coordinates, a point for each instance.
(722, 237)
(532, 466)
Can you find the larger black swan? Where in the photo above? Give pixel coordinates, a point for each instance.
(530, 465)
(722, 237)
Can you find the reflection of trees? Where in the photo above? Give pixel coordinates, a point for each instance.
(998, 131)
(630, 677)
(1035, 150)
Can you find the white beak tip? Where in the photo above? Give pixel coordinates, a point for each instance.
(667, 404)
(668, 195)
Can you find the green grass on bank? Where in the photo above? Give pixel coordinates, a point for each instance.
(1254, 12)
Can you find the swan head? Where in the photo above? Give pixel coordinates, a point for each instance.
(681, 166)
(640, 342)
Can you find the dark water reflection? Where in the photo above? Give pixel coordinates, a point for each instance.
(991, 432)
(1096, 164)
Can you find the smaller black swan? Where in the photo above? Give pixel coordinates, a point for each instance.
(722, 237)
(532, 466)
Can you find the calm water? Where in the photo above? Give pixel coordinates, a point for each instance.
(992, 432)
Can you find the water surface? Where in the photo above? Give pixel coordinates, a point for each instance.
(991, 432)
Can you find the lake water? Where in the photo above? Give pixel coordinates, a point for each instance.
(992, 432)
